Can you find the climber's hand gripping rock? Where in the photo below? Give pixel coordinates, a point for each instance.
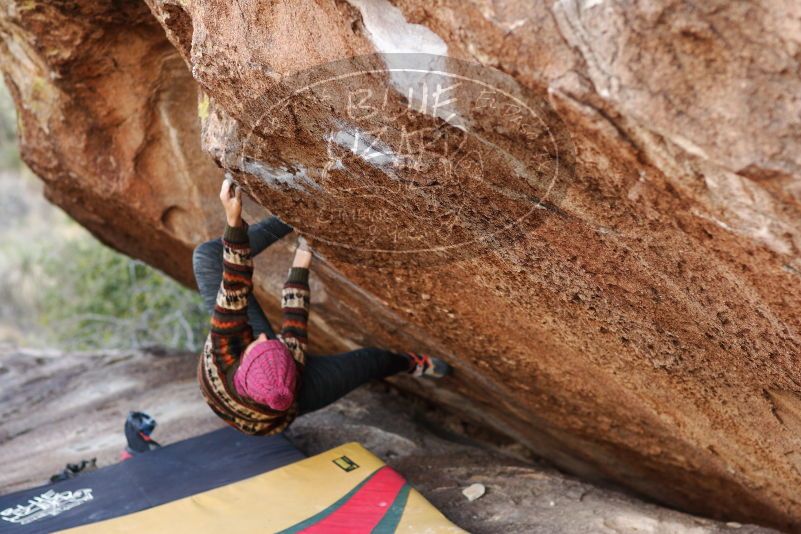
(231, 198)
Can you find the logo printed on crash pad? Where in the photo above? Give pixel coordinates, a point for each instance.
(47, 504)
(346, 464)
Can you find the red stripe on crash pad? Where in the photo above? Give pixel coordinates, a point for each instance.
(363, 511)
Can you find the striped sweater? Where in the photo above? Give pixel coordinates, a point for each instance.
(231, 333)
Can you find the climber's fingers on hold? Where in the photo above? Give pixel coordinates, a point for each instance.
(225, 189)
(231, 199)
(230, 192)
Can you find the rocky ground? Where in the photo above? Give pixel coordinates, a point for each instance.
(62, 407)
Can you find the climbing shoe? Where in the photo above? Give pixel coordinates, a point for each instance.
(73, 470)
(425, 365)
(138, 427)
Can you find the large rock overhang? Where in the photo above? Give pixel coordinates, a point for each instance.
(639, 325)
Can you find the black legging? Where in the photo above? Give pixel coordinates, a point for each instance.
(325, 378)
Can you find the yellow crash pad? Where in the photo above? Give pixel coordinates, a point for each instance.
(344, 490)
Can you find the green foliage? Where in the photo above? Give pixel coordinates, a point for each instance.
(61, 287)
(93, 297)
(9, 154)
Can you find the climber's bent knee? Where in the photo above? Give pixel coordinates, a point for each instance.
(207, 254)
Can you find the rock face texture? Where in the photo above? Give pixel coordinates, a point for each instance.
(591, 208)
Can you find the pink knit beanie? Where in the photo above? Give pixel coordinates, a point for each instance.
(268, 375)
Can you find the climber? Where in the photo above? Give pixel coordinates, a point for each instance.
(255, 380)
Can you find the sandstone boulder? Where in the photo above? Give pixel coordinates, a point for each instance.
(603, 239)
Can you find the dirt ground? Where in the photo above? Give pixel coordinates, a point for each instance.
(60, 407)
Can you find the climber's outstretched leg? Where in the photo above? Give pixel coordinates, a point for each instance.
(328, 378)
(208, 267)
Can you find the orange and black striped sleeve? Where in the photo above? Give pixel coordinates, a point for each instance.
(230, 330)
(295, 303)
